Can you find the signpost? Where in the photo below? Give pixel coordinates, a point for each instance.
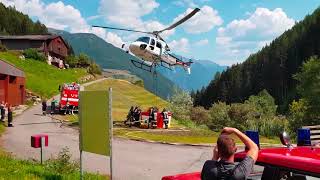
(39, 141)
(95, 120)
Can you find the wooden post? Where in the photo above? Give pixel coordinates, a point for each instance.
(110, 131)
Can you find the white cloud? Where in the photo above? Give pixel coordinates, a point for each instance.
(57, 15)
(240, 38)
(203, 21)
(181, 45)
(54, 15)
(129, 13)
(126, 13)
(202, 42)
(182, 3)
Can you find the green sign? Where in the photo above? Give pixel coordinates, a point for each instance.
(94, 122)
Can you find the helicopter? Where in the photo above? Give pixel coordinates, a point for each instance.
(152, 50)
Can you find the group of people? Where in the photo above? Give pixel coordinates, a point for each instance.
(68, 108)
(3, 107)
(135, 112)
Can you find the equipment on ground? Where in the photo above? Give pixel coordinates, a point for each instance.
(152, 118)
(69, 98)
(153, 50)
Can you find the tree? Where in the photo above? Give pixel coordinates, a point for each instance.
(181, 104)
(309, 85)
(263, 103)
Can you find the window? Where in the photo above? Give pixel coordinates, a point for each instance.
(153, 42)
(159, 45)
(144, 39)
(12, 79)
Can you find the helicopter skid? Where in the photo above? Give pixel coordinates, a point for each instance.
(142, 65)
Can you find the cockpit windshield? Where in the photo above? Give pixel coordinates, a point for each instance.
(144, 39)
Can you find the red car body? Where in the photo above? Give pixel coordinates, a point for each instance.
(302, 159)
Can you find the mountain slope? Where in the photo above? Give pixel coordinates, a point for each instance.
(110, 57)
(202, 71)
(271, 68)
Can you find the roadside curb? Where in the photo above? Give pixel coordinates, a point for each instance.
(186, 144)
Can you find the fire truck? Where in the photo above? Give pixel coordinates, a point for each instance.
(69, 97)
(277, 163)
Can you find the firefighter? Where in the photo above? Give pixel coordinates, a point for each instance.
(165, 117)
(44, 107)
(53, 105)
(2, 111)
(10, 117)
(67, 108)
(152, 119)
(137, 114)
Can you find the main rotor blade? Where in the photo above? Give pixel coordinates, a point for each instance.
(121, 29)
(180, 21)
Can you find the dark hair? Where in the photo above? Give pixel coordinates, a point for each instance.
(226, 146)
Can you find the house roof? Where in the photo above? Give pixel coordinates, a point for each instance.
(9, 69)
(31, 37)
(34, 37)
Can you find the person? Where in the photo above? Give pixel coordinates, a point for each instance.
(44, 107)
(67, 108)
(2, 111)
(136, 115)
(10, 116)
(222, 164)
(165, 118)
(53, 105)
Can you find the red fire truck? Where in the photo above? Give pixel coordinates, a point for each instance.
(69, 97)
(299, 162)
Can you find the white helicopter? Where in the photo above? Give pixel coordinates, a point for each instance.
(153, 50)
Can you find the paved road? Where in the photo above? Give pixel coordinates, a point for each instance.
(132, 160)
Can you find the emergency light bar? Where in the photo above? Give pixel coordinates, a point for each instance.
(303, 138)
(254, 136)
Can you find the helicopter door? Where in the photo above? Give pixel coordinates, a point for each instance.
(158, 49)
(152, 44)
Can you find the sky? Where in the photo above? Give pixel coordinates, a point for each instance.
(224, 31)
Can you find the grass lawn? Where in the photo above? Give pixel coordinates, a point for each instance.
(188, 137)
(41, 78)
(125, 95)
(11, 168)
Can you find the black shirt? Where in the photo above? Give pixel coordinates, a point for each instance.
(224, 170)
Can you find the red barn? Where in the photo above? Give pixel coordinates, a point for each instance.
(53, 46)
(12, 84)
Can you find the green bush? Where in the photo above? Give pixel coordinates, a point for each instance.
(34, 54)
(139, 83)
(257, 113)
(298, 115)
(83, 60)
(94, 69)
(219, 116)
(72, 61)
(3, 48)
(62, 164)
(199, 115)
(181, 104)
